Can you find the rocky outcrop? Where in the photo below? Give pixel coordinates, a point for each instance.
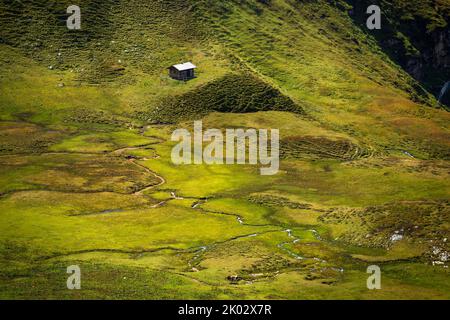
(415, 34)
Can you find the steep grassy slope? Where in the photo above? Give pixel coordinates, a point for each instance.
(138, 33)
(415, 35)
(337, 73)
(86, 174)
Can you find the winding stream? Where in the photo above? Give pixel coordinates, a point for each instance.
(197, 205)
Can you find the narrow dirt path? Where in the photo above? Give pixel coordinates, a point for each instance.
(150, 187)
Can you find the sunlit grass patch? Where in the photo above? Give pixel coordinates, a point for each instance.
(102, 142)
(74, 173)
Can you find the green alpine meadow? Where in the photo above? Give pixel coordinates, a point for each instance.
(92, 205)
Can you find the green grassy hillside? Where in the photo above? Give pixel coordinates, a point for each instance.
(415, 35)
(85, 123)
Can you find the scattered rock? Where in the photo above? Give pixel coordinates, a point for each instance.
(256, 275)
(234, 278)
(396, 236)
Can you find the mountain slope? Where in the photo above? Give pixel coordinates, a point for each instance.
(310, 51)
(416, 35)
(86, 119)
(338, 74)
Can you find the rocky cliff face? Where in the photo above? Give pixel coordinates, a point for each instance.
(415, 34)
(435, 55)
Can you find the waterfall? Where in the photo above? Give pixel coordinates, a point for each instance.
(444, 90)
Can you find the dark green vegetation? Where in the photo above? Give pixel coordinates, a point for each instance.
(232, 93)
(86, 176)
(415, 35)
